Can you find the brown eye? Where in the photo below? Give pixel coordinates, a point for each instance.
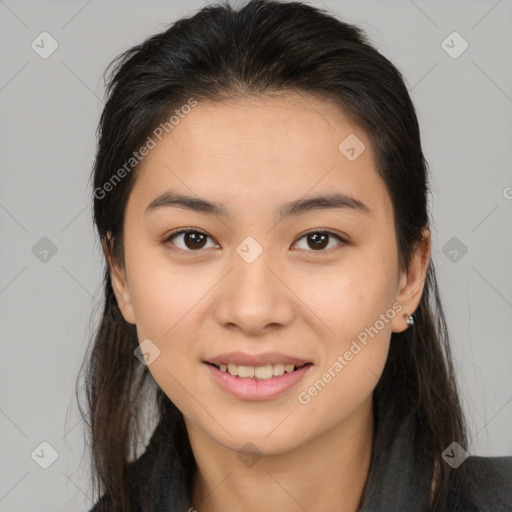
(319, 240)
(192, 240)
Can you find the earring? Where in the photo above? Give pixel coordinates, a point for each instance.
(409, 319)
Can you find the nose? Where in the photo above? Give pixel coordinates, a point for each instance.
(254, 296)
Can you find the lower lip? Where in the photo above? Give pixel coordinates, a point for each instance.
(254, 389)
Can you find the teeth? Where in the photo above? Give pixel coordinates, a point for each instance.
(259, 372)
(278, 369)
(264, 372)
(246, 371)
(233, 369)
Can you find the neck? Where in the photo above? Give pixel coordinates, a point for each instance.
(327, 474)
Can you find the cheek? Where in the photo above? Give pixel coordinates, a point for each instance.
(349, 298)
(355, 303)
(359, 312)
(164, 295)
(171, 304)
(168, 306)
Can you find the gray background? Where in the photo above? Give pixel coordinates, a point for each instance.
(49, 109)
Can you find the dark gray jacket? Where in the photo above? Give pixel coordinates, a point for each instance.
(398, 481)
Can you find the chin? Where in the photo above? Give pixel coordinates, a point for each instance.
(259, 445)
(261, 439)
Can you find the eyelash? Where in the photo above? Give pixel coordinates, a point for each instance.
(193, 230)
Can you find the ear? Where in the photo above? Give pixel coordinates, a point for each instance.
(119, 282)
(411, 282)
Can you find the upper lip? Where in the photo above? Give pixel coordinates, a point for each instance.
(242, 359)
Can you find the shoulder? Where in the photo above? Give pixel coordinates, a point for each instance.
(156, 480)
(491, 479)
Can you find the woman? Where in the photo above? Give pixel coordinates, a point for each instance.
(260, 193)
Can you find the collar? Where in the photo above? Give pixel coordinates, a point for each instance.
(398, 480)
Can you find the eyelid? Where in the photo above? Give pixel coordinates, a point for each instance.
(329, 232)
(180, 231)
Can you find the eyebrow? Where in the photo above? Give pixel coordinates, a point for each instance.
(297, 207)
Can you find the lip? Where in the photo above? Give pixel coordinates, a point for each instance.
(254, 389)
(239, 358)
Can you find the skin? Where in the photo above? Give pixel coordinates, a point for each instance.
(254, 155)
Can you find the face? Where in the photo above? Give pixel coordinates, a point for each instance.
(258, 282)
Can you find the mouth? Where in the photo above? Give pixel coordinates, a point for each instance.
(256, 383)
(264, 372)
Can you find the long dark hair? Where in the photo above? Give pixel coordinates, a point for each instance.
(223, 53)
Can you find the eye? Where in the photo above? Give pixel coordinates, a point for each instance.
(318, 240)
(193, 239)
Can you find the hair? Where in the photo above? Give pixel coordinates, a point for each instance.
(220, 54)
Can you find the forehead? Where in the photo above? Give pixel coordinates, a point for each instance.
(253, 151)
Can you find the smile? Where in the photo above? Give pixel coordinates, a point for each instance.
(264, 372)
(256, 382)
